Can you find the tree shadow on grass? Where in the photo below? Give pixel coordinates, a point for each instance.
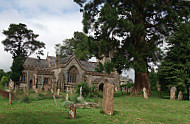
(38, 117)
(114, 112)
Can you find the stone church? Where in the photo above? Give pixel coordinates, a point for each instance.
(65, 72)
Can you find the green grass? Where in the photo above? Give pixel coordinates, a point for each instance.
(126, 110)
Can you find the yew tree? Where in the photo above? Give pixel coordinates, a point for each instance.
(21, 43)
(175, 67)
(132, 31)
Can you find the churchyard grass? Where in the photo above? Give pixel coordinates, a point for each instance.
(126, 110)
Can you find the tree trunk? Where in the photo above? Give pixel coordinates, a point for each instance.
(141, 80)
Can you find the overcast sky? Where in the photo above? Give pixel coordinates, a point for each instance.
(53, 20)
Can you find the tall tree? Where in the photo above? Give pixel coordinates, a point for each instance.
(1, 73)
(21, 43)
(78, 45)
(132, 30)
(175, 69)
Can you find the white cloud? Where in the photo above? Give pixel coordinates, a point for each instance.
(53, 20)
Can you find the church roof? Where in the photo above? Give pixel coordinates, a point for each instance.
(89, 66)
(63, 60)
(33, 62)
(36, 62)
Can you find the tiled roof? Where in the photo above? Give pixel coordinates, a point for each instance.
(36, 62)
(89, 66)
(63, 60)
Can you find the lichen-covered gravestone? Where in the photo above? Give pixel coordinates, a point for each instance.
(180, 95)
(145, 93)
(72, 112)
(172, 92)
(11, 88)
(80, 97)
(108, 94)
(58, 92)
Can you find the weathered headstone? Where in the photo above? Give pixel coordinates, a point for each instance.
(67, 97)
(116, 89)
(172, 92)
(80, 97)
(180, 95)
(145, 93)
(58, 92)
(72, 112)
(11, 87)
(108, 94)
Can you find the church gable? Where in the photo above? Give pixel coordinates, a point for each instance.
(73, 61)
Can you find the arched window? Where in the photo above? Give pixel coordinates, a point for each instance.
(72, 75)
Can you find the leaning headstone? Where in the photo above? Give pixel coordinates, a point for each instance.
(180, 95)
(72, 112)
(108, 94)
(145, 93)
(172, 92)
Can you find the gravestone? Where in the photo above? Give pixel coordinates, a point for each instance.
(72, 112)
(116, 89)
(108, 94)
(67, 97)
(11, 88)
(145, 93)
(172, 92)
(180, 95)
(58, 92)
(80, 97)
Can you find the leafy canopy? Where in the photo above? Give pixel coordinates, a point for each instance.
(175, 69)
(21, 43)
(131, 29)
(78, 45)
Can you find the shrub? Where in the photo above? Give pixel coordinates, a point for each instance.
(93, 92)
(127, 85)
(41, 96)
(24, 99)
(85, 88)
(74, 99)
(4, 81)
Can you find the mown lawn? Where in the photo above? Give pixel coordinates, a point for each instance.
(126, 110)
